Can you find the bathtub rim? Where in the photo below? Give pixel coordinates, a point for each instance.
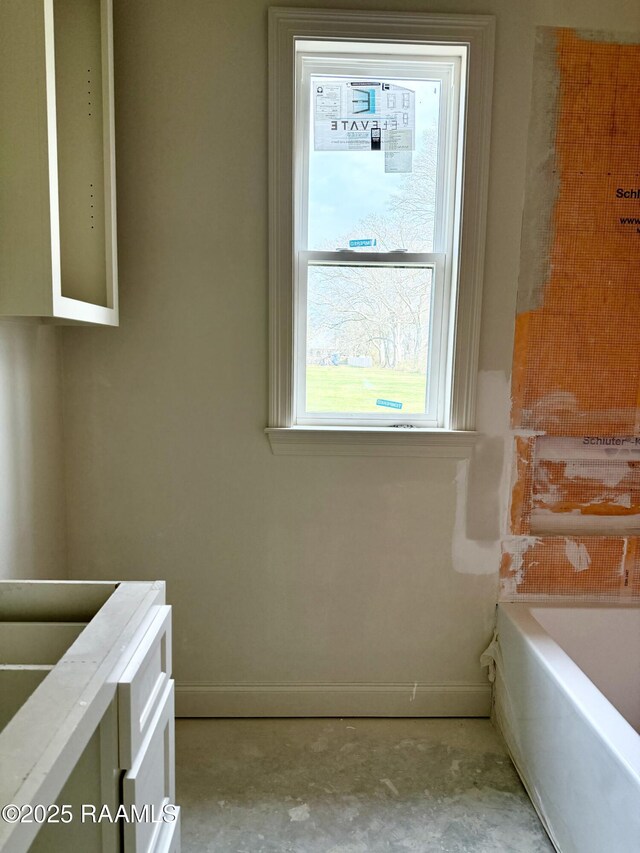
(592, 705)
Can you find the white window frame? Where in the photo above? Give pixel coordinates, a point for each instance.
(290, 27)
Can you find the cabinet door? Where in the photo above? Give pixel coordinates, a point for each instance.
(149, 786)
(142, 684)
(169, 836)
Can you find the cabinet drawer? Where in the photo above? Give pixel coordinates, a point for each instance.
(142, 684)
(150, 782)
(169, 836)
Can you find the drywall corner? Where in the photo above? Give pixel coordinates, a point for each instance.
(32, 514)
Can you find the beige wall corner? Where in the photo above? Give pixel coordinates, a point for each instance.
(32, 515)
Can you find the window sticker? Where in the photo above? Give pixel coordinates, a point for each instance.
(362, 115)
(399, 140)
(398, 161)
(369, 241)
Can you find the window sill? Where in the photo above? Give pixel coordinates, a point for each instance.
(370, 441)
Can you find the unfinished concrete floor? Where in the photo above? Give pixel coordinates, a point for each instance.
(350, 786)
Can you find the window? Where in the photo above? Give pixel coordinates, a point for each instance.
(378, 166)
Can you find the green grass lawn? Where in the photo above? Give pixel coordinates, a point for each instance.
(356, 389)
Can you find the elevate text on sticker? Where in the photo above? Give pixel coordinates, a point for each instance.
(390, 404)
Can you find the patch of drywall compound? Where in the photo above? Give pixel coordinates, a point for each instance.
(516, 547)
(516, 550)
(470, 556)
(482, 482)
(622, 500)
(577, 555)
(299, 813)
(609, 474)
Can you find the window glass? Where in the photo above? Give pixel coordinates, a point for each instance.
(373, 163)
(367, 346)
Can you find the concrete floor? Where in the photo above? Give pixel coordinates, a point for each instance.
(350, 786)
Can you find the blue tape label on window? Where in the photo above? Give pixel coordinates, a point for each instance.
(389, 404)
(369, 242)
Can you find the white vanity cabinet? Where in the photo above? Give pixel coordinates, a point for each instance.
(87, 717)
(57, 162)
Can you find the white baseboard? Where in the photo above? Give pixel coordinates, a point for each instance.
(204, 699)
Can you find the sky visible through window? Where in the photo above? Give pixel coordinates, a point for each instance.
(349, 191)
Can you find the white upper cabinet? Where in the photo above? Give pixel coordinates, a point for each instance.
(57, 165)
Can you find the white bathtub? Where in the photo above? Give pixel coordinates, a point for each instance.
(567, 700)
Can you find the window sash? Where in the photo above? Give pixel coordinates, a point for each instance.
(437, 354)
(446, 69)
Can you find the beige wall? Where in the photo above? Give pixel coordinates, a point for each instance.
(281, 569)
(32, 520)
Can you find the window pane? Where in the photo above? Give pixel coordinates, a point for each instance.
(373, 157)
(368, 339)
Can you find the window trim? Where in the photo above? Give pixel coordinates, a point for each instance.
(286, 27)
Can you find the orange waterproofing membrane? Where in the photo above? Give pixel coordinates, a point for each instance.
(591, 567)
(600, 487)
(576, 369)
(521, 493)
